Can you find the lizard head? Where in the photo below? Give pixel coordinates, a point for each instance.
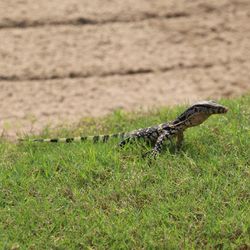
(209, 107)
(199, 112)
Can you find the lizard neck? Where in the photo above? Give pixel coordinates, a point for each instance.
(180, 126)
(190, 120)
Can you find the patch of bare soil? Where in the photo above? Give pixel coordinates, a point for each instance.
(63, 60)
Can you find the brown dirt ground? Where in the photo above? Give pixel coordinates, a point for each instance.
(62, 60)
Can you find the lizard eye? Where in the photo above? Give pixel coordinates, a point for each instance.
(212, 101)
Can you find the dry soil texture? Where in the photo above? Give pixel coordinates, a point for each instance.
(62, 60)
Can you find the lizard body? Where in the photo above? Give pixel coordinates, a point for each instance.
(157, 135)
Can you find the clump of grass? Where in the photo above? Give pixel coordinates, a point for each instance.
(83, 195)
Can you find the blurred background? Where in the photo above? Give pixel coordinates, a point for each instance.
(61, 60)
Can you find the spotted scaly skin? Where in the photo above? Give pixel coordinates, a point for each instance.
(157, 135)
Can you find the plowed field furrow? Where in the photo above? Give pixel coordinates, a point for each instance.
(148, 46)
(30, 13)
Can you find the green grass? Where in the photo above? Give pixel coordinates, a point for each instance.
(85, 196)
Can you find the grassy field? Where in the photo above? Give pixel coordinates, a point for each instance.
(85, 196)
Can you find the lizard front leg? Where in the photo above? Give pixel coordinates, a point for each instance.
(159, 143)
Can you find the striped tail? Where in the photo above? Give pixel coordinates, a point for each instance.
(94, 138)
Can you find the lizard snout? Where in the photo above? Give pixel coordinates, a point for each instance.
(223, 110)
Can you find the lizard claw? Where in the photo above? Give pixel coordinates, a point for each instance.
(151, 154)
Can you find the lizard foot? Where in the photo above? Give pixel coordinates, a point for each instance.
(151, 154)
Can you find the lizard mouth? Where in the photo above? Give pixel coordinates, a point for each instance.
(223, 110)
